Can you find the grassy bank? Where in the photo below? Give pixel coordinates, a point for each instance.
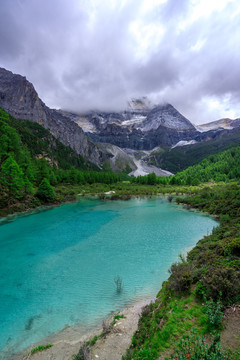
(120, 189)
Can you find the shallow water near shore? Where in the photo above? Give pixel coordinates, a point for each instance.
(57, 267)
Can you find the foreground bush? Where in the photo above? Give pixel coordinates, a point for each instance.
(195, 348)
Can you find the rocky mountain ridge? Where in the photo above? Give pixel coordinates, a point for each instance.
(138, 127)
(222, 124)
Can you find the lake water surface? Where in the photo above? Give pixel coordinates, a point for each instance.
(57, 267)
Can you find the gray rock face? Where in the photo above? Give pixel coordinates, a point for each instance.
(166, 116)
(135, 162)
(19, 98)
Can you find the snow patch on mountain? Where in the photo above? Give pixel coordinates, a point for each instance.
(184, 143)
(135, 120)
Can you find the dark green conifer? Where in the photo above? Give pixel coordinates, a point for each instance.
(12, 180)
(45, 191)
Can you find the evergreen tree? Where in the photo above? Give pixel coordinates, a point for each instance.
(12, 180)
(28, 186)
(151, 179)
(42, 170)
(45, 191)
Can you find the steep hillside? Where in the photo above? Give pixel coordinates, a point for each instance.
(19, 98)
(33, 162)
(179, 158)
(42, 144)
(221, 167)
(224, 166)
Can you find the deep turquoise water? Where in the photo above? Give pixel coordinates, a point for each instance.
(57, 267)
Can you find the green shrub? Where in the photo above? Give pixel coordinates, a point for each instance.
(200, 290)
(222, 280)
(195, 348)
(93, 341)
(40, 348)
(181, 278)
(214, 312)
(234, 247)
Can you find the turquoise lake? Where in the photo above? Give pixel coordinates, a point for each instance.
(57, 267)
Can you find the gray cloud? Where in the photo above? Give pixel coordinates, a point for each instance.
(94, 54)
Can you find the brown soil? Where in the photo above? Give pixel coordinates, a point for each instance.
(230, 336)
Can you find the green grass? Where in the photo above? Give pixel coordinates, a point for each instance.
(40, 348)
(123, 191)
(64, 191)
(165, 321)
(93, 341)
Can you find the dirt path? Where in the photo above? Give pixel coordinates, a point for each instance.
(230, 336)
(115, 344)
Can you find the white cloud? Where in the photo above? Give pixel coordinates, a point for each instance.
(90, 54)
(147, 38)
(198, 45)
(222, 105)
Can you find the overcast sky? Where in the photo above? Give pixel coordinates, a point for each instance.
(96, 54)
